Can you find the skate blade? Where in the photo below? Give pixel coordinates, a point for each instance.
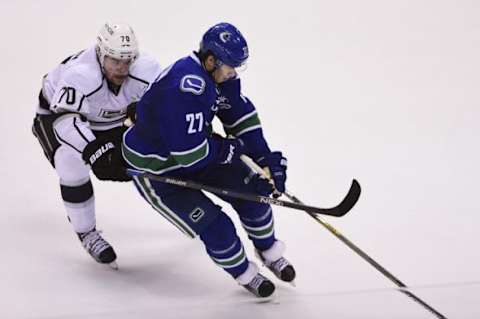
(270, 299)
(113, 265)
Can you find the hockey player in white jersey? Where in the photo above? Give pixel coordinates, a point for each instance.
(82, 106)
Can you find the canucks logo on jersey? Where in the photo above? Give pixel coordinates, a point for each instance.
(192, 83)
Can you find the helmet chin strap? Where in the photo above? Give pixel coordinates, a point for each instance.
(100, 59)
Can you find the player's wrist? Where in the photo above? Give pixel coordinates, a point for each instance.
(226, 150)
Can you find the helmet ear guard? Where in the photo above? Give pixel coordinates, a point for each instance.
(116, 40)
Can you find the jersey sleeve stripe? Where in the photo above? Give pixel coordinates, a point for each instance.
(192, 156)
(245, 124)
(158, 165)
(240, 120)
(149, 163)
(152, 163)
(248, 129)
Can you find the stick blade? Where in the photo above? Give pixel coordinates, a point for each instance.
(348, 202)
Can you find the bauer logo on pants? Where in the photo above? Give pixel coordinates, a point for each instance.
(196, 214)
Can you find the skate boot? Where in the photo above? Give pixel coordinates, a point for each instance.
(98, 248)
(255, 282)
(273, 260)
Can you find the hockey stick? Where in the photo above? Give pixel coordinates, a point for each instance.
(341, 209)
(337, 211)
(401, 286)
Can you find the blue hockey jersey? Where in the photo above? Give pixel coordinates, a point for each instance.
(173, 128)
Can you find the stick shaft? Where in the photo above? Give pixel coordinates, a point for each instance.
(402, 287)
(230, 193)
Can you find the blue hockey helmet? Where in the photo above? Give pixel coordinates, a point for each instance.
(226, 43)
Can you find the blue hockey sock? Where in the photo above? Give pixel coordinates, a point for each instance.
(224, 246)
(260, 229)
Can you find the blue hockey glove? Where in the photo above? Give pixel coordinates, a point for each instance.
(262, 185)
(228, 149)
(259, 184)
(277, 165)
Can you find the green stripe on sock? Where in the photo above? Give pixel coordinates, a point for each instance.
(234, 261)
(260, 232)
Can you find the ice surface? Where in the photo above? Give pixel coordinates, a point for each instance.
(383, 91)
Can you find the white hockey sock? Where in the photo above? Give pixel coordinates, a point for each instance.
(81, 215)
(275, 252)
(248, 275)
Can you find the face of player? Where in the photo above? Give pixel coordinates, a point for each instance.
(223, 73)
(116, 71)
(220, 72)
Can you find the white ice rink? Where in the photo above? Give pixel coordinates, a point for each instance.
(387, 92)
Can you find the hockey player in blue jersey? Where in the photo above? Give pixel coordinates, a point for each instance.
(173, 136)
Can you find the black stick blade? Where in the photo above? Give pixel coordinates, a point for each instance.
(350, 199)
(345, 205)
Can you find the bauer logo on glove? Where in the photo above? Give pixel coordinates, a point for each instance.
(101, 151)
(105, 159)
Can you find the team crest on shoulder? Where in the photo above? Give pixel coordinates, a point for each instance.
(192, 83)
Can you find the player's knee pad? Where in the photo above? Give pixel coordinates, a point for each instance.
(220, 233)
(78, 192)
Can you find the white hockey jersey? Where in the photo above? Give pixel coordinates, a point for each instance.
(78, 85)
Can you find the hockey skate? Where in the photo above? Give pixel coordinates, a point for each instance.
(277, 264)
(255, 282)
(98, 248)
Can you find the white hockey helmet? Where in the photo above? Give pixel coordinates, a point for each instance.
(117, 40)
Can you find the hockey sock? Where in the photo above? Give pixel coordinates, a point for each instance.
(79, 203)
(224, 246)
(260, 229)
